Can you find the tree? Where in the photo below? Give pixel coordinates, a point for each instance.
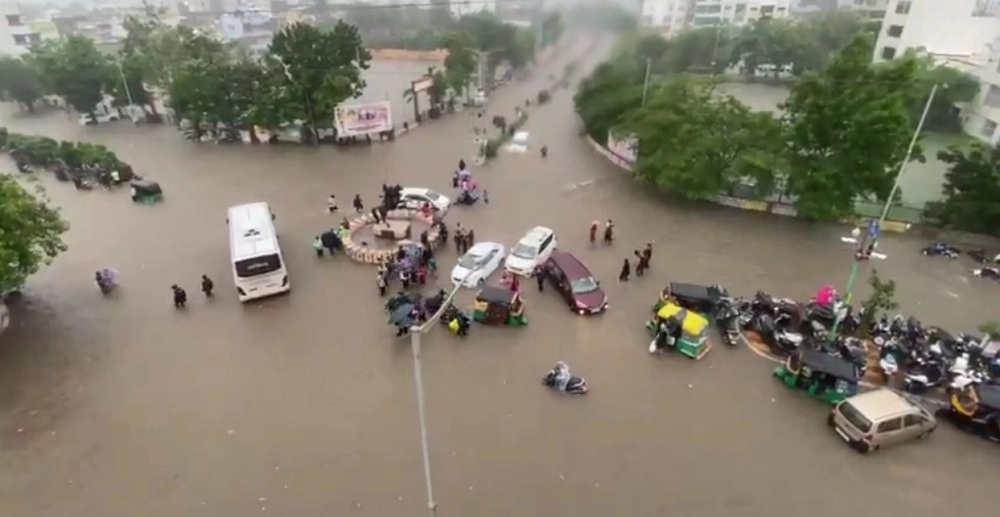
(74, 69)
(126, 83)
(698, 51)
(780, 44)
(30, 234)
(848, 129)
(460, 63)
(19, 82)
(322, 69)
(955, 88)
(606, 97)
(991, 329)
(552, 28)
(731, 146)
(971, 192)
(882, 300)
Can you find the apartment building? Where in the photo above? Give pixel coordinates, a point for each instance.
(868, 9)
(15, 33)
(707, 13)
(461, 8)
(668, 17)
(960, 33)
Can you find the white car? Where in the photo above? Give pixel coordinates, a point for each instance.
(531, 251)
(415, 198)
(481, 260)
(87, 119)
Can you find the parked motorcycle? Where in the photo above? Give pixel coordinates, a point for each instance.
(925, 375)
(726, 320)
(981, 256)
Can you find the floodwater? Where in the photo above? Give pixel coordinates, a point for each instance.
(304, 405)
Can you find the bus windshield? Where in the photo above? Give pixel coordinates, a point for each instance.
(256, 266)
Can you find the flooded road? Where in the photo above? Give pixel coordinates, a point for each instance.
(304, 406)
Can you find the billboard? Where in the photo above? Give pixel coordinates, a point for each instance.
(363, 119)
(624, 147)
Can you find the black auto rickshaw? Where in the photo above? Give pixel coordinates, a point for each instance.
(499, 306)
(975, 409)
(147, 192)
(698, 298)
(822, 376)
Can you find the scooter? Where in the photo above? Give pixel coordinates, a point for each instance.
(727, 320)
(926, 375)
(575, 386)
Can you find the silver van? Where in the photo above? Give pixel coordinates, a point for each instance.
(880, 418)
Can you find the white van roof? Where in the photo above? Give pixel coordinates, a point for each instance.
(251, 231)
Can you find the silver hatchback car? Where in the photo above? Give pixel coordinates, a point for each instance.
(880, 418)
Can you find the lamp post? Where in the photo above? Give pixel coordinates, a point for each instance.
(418, 377)
(874, 228)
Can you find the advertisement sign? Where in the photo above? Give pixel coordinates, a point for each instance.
(624, 147)
(363, 119)
(423, 83)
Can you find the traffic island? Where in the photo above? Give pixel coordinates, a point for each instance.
(372, 242)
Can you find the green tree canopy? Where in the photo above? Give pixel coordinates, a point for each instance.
(30, 234)
(607, 96)
(971, 191)
(848, 127)
(695, 143)
(74, 69)
(19, 82)
(322, 69)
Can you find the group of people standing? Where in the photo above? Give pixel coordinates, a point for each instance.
(643, 258)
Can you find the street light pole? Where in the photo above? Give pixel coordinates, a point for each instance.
(856, 266)
(418, 377)
(645, 82)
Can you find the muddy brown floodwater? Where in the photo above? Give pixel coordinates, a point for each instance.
(304, 405)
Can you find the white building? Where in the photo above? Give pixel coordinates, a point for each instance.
(668, 17)
(15, 33)
(869, 9)
(962, 33)
(461, 8)
(706, 13)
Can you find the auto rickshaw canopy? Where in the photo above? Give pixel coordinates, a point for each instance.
(823, 363)
(692, 323)
(499, 305)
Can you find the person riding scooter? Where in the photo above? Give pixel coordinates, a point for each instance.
(609, 232)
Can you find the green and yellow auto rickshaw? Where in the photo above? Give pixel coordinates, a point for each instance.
(499, 306)
(822, 376)
(702, 299)
(681, 329)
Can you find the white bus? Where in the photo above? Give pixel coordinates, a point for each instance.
(258, 267)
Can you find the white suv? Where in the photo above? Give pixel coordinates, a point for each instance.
(531, 251)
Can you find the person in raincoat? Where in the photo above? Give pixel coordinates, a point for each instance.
(826, 295)
(562, 375)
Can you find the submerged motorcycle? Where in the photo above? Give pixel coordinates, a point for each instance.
(941, 249)
(560, 379)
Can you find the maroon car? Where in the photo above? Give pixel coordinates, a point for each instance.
(574, 282)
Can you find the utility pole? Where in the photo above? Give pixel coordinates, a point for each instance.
(418, 376)
(876, 225)
(645, 82)
(128, 92)
(539, 27)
